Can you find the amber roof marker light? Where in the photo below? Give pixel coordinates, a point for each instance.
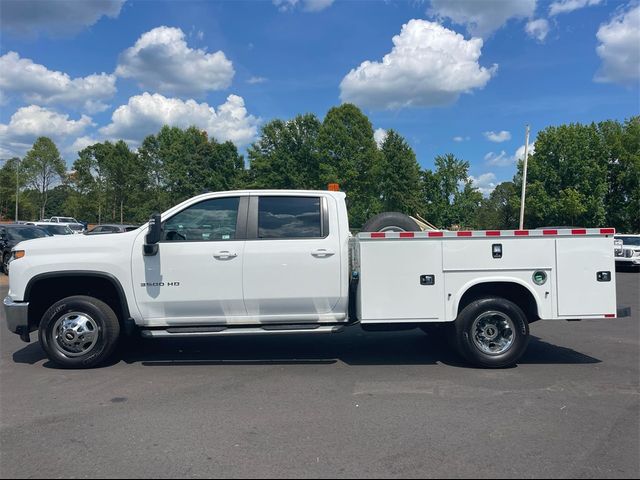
(333, 187)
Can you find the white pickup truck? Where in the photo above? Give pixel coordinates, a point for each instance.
(285, 262)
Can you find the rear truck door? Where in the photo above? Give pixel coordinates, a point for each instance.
(196, 276)
(292, 258)
(586, 276)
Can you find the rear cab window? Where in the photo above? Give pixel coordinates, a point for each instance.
(289, 217)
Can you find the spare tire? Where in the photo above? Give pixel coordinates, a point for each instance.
(391, 222)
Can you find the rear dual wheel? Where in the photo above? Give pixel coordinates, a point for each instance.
(491, 332)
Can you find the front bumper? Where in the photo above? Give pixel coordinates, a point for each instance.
(17, 314)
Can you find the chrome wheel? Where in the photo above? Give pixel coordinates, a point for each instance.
(493, 333)
(75, 334)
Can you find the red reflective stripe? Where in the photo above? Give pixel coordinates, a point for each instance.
(610, 315)
(521, 233)
(550, 232)
(493, 233)
(578, 231)
(464, 234)
(406, 235)
(607, 231)
(436, 234)
(378, 235)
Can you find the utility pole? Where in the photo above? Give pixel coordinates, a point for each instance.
(17, 189)
(524, 178)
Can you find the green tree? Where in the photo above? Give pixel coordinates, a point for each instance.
(400, 181)
(179, 164)
(286, 155)
(566, 157)
(349, 156)
(622, 201)
(43, 168)
(501, 209)
(8, 180)
(450, 198)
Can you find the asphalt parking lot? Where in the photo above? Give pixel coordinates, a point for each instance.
(348, 405)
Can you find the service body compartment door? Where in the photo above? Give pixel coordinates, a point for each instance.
(401, 281)
(580, 293)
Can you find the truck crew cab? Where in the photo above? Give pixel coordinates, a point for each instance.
(285, 262)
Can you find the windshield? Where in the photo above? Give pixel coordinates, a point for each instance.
(26, 233)
(632, 241)
(58, 230)
(76, 227)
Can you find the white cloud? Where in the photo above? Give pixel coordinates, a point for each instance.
(429, 65)
(538, 29)
(60, 17)
(29, 123)
(482, 17)
(307, 5)
(80, 144)
(619, 48)
(37, 84)
(568, 6)
(161, 60)
(461, 139)
(255, 80)
(145, 114)
(380, 135)
(498, 137)
(503, 159)
(486, 183)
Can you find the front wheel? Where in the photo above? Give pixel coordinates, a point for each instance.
(491, 332)
(79, 332)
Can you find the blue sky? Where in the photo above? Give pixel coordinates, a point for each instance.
(461, 76)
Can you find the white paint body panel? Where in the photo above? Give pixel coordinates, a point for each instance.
(281, 281)
(391, 267)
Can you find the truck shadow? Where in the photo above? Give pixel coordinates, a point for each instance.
(353, 347)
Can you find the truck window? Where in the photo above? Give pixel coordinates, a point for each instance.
(289, 217)
(210, 220)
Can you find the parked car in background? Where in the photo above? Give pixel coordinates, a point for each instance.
(71, 222)
(108, 228)
(62, 220)
(627, 250)
(14, 233)
(54, 229)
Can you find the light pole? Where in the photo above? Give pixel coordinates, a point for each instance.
(524, 178)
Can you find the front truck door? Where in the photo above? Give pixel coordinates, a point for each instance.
(292, 261)
(196, 276)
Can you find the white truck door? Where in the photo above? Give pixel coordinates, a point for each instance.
(586, 277)
(292, 260)
(196, 276)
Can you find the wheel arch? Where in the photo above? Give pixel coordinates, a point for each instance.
(511, 289)
(46, 288)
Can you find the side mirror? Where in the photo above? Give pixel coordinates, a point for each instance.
(153, 235)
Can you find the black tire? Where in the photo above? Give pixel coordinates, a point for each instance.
(391, 221)
(491, 308)
(5, 263)
(107, 331)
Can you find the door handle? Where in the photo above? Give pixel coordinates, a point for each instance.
(225, 254)
(322, 252)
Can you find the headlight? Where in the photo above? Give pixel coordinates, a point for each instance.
(16, 254)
